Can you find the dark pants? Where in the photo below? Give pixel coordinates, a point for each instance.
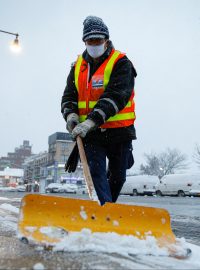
(108, 182)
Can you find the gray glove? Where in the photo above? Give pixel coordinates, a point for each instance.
(83, 128)
(72, 121)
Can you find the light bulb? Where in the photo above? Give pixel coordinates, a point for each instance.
(15, 46)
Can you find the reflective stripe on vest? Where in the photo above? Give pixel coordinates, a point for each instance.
(77, 70)
(109, 68)
(123, 116)
(82, 104)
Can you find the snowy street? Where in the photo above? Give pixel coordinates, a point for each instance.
(87, 251)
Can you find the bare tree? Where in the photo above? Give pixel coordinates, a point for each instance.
(167, 162)
(196, 155)
(153, 165)
(172, 160)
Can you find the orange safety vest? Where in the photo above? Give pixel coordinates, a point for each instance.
(89, 92)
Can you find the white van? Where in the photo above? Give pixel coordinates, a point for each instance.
(195, 191)
(176, 184)
(139, 185)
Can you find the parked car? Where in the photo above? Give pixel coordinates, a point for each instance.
(8, 189)
(21, 188)
(55, 188)
(70, 188)
(139, 185)
(176, 184)
(82, 189)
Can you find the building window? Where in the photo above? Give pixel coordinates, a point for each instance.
(64, 158)
(63, 146)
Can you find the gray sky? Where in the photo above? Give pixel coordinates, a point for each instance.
(161, 37)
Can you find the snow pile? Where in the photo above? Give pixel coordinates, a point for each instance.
(38, 266)
(109, 243)
(10, 199)
(194, 259)
(52, 232)
(127, 246)
(10, 208)
(4, 199)
(83, 213)
(8, 218)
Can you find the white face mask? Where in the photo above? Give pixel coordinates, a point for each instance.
(95, 51)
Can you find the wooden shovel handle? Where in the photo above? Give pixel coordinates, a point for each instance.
(86, 170)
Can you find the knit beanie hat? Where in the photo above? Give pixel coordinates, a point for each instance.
(94, 27)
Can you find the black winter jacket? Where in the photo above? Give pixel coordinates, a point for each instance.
(118, 90)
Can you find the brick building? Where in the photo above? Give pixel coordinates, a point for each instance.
(16, 159)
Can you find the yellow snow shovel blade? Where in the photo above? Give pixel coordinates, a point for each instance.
(45, 219)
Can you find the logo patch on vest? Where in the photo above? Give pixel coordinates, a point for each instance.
(97, 81)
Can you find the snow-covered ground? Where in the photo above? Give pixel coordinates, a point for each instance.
(129, 251)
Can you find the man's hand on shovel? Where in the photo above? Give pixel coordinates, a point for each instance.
(83, 128)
